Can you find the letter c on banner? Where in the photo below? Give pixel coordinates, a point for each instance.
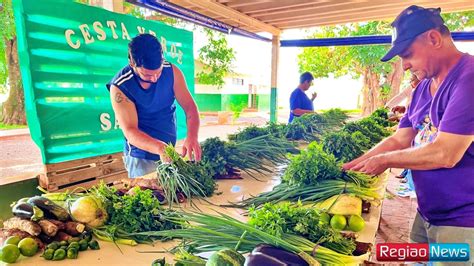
(68, 34)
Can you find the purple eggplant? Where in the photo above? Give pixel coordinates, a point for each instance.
(272, 256)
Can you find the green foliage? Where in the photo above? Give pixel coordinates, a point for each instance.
(342, 145)
(3, 126)
(215, 157)
(247, 133)
(237, 108)
(360, 59)
(373, 126)
(343, 60)
(311, 166)
(459, 21)
(275, 130)
(137, 212)
(294, 218)
(335, 115)
(380, 113)
(362, 140)
(217, 58)
(312, 126)
(368, 128)
(7, 32)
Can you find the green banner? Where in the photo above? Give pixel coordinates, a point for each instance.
(68, 52)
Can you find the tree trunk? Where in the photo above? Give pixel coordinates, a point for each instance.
(13, 110)
(371, 92)
(395, 79)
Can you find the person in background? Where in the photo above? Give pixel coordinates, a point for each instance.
(143, 95)
(300, 103)
(394, 104)
(435, 137)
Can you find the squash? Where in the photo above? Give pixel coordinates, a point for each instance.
(226, 257)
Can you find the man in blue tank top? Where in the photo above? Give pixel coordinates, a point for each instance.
(300, 103)
(143, 95)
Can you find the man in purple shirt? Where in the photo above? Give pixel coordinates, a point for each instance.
(300, 103)
(435, 137)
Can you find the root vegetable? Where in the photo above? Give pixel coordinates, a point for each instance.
(59, 224)
(48, 227)
(74, 229)
(61, 236)
(6, 233)
(30, 227)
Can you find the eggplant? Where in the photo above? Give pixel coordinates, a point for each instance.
(262, 259)
(272, 256)
(50, 208)
(27, 211)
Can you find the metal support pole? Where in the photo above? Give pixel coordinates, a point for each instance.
(273, 93)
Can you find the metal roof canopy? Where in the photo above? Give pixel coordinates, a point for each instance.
(273, 16)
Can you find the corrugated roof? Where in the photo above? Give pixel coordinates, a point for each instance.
(275, 15)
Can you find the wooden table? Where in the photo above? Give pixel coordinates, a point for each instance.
(232, 190)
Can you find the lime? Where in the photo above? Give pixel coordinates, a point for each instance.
(338, 222)
(28, 247)
(356, 223)
(324, 218)
(9, 253)
(12, 240)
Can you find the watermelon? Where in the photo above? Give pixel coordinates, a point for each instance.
(226, 257)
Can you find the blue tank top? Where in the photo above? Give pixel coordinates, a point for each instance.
(155, 107)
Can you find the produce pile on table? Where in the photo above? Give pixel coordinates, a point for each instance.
(41, 224)
(312, 216)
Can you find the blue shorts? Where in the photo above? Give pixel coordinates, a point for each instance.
(137, 167)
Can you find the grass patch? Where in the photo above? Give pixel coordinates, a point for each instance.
(6, 127)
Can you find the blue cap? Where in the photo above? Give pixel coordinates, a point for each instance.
(412, 22)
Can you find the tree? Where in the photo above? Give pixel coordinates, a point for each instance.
(381, 80)
(13, 110)
(217, 58)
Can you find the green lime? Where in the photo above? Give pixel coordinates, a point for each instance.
(324, 218)
(9, 253)
(356, 223)
(28, 247)
(338, 222)
(12, 240)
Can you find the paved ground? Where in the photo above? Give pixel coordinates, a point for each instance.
(20, 157)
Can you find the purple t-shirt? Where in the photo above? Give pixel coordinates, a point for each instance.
(445, 195)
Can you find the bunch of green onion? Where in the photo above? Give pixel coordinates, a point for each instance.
(206, 232)
(322, 191)
(172, 180)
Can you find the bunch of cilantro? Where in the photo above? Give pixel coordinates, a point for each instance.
(294, 218)
(138, 211)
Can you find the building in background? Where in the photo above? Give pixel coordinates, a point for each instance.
(240, 92)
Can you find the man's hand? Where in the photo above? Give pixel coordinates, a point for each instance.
(372, 166)
(399, 109)
(314, 95)
(191, 147)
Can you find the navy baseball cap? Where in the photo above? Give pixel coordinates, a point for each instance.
(412, 22)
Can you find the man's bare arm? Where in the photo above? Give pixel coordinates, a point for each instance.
(126, 114)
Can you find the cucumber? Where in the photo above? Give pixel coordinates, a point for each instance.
(226, 257)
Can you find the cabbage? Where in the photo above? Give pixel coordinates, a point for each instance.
(90, 211)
